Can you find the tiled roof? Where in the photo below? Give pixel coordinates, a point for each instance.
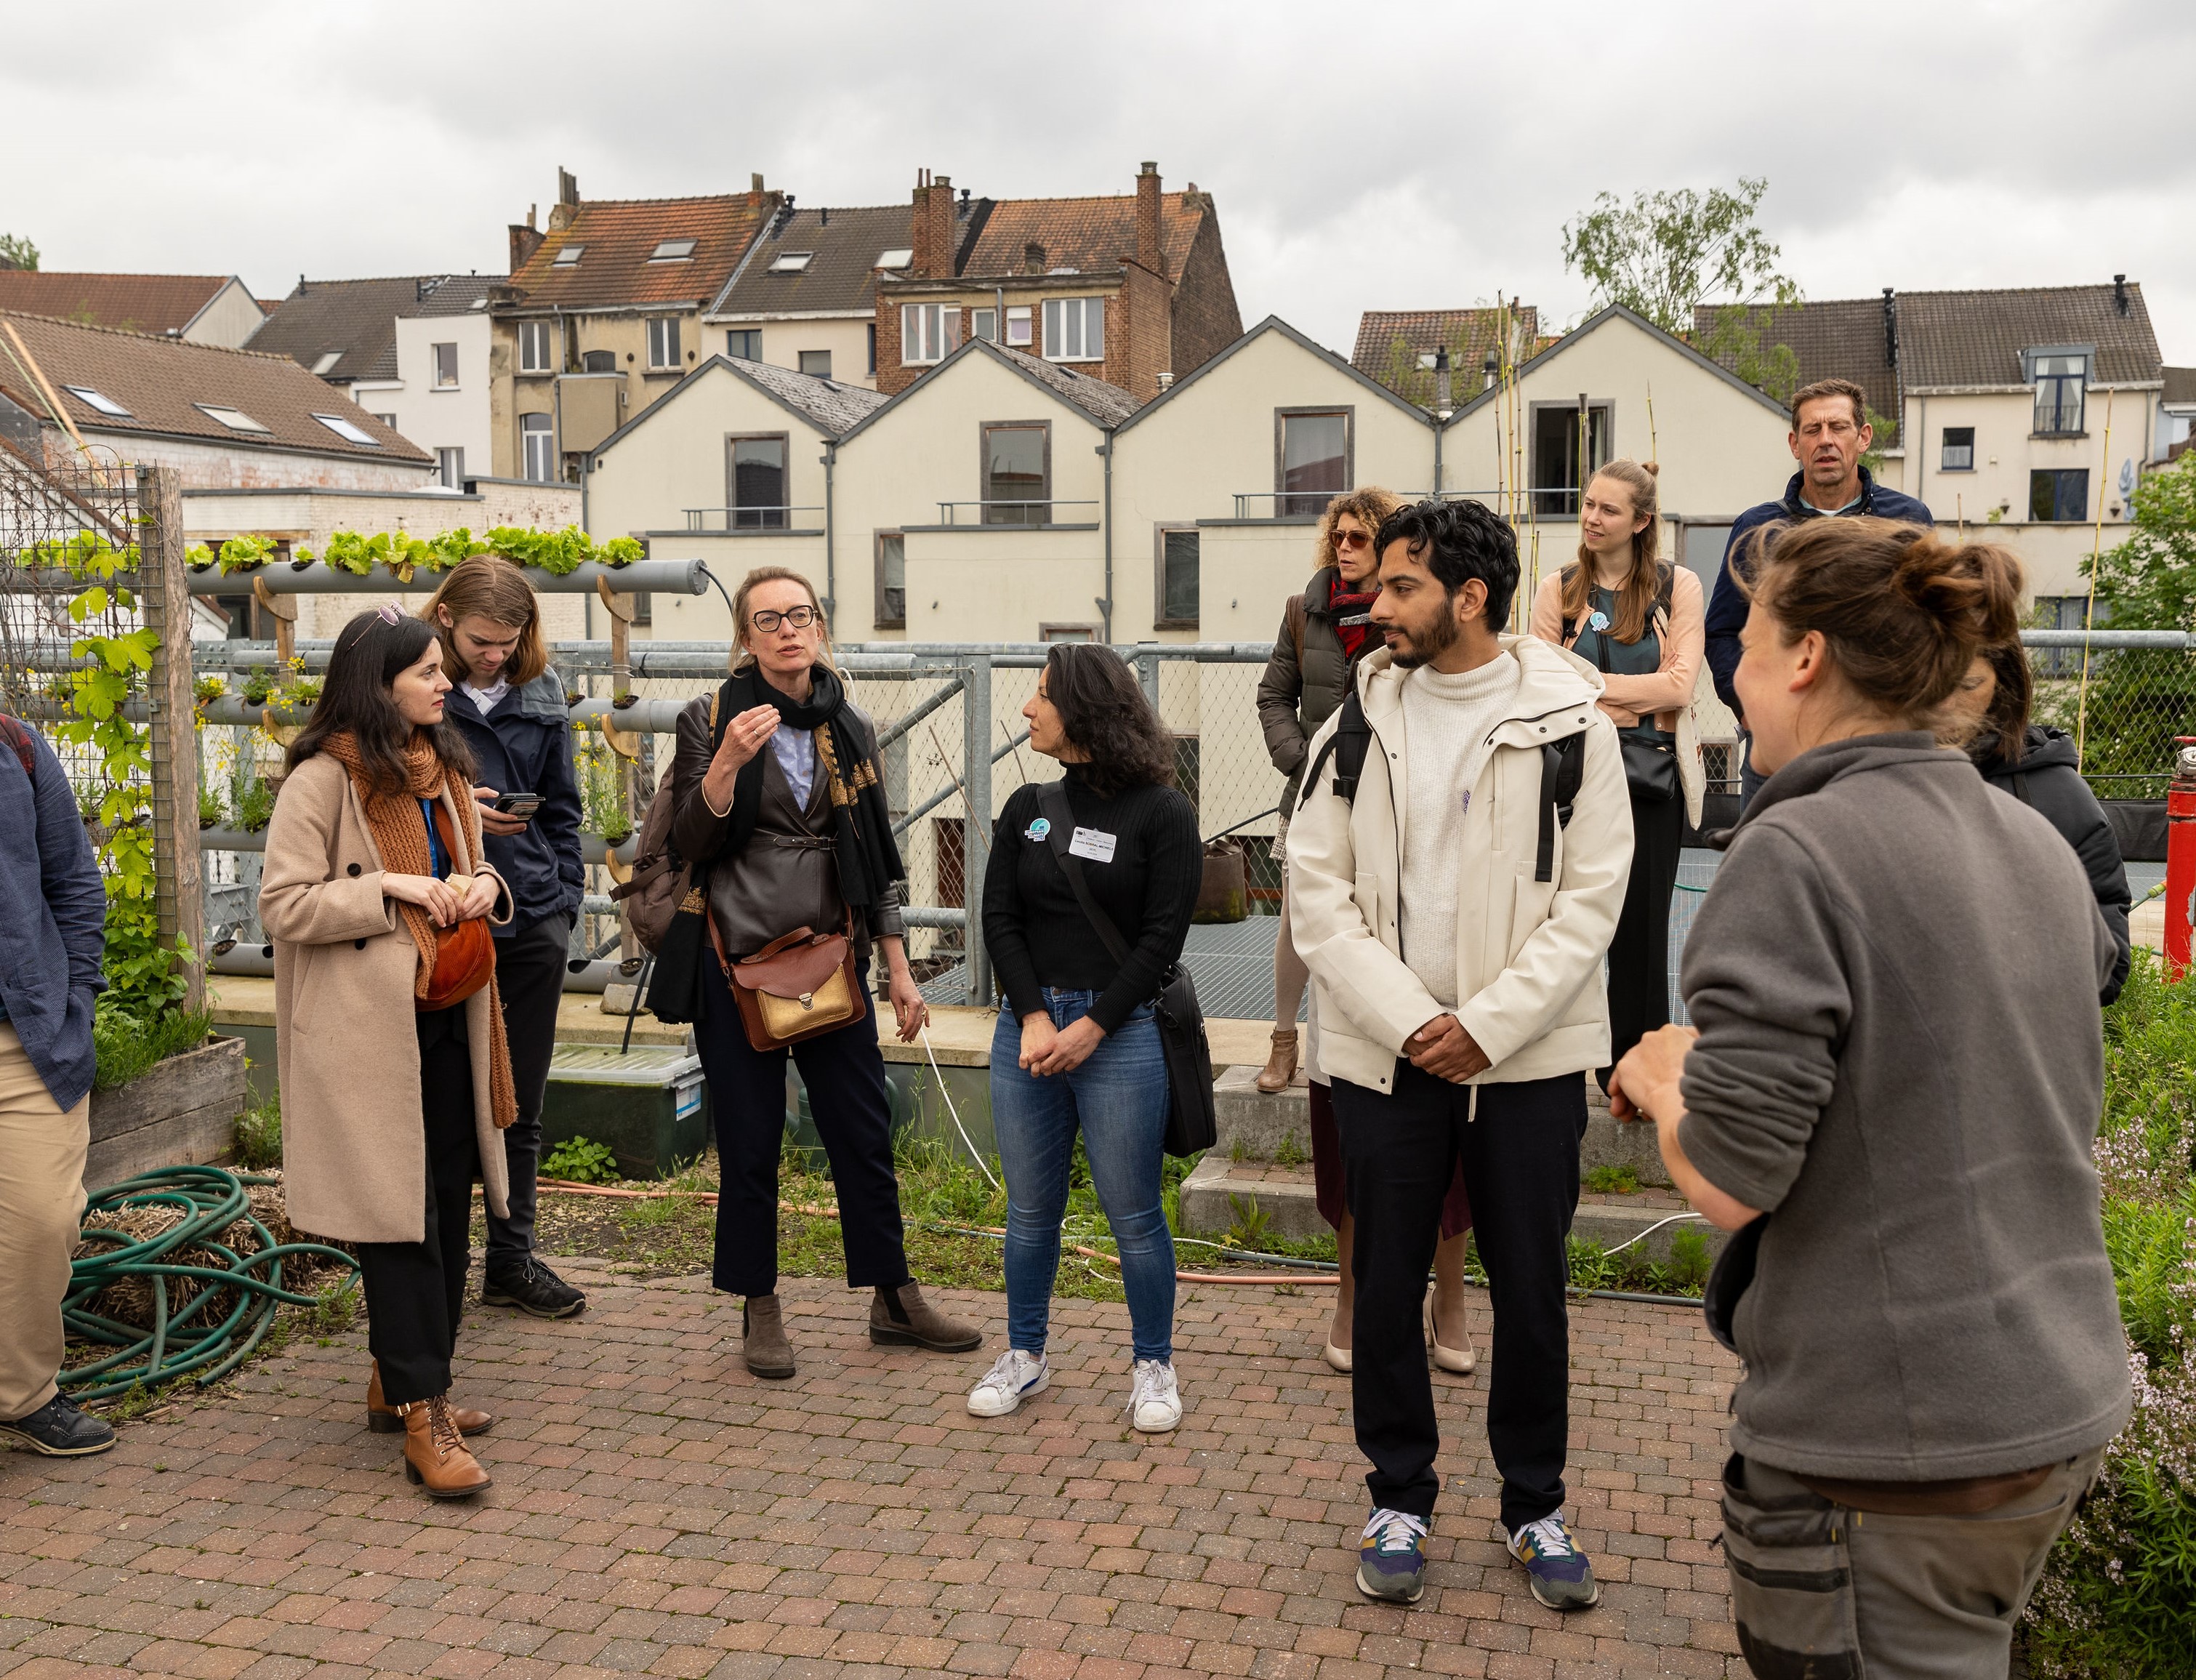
(1090, 235)
(154, 304)
(1950, 340)
(1424, 331)
(619, 236)
(2181, 385)
(358, 317)
(159, 381)
(1108, 405)
(842, 272)
(834, 408)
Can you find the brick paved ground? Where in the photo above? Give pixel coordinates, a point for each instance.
(657, 1510)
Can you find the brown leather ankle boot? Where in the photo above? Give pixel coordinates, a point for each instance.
(902, 1318)
(762, 1328)
(1281, 1065)
(383, 1419)
(435, 1452)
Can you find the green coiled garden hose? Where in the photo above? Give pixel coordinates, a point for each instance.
(249, 1286)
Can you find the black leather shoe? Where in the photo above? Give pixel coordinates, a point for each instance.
(533, 1288)
(60, 1431)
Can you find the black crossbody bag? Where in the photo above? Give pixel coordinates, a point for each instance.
(1192, 1122)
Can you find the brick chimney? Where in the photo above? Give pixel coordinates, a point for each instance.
(1147, 219)
(525, 240)
(936, 260)
(566, 210)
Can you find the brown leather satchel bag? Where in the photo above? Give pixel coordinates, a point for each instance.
(796, 987)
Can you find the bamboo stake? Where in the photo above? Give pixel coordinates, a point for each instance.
(2089, 613)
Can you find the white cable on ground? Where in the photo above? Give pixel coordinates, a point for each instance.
(946, 1091)
(1651, 1230)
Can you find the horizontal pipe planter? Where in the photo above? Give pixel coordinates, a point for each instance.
(593, 850)
(642, 577)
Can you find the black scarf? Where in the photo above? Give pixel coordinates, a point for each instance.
(861, 825)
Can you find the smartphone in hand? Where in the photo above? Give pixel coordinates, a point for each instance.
(521, 806)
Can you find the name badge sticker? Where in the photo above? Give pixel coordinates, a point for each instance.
(1093, 844)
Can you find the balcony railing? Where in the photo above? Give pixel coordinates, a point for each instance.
(1001, 512)
(760, 518)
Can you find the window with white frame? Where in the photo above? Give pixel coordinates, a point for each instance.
(1019, 317)
(983, 324)
(1075, 329)
(892, 581)
(450, 468)
(928, 332)
(534, 353)
(1177, 581)
(537, 433)
(662, 342)
(446, 366)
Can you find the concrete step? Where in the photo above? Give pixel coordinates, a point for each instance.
(1219, 1191)
(1256, 1127)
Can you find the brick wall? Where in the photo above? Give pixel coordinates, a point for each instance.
(1205, 318)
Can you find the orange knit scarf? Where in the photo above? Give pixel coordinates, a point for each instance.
(400, 834)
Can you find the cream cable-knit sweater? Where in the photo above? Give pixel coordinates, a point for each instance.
(1446, 722)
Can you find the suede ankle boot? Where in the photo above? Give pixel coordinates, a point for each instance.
(902, 1318)
(1280, 1062)
(762, 1328)
(383, 1419)
(435, 1457)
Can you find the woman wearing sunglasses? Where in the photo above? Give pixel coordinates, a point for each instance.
(783, 818)
(389, 1035)
(1325, 631)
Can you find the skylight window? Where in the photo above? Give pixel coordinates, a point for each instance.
(673, 250)
(327, 359)
(347, 431)
(94, 399)
(792, 261)
(569, 258)
(899, 256)
(234, 419)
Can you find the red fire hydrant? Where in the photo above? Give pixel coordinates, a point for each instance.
(2180, 857)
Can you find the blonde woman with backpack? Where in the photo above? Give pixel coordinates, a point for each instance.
(1638, 620)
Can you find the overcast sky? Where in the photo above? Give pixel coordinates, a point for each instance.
(1370, 155)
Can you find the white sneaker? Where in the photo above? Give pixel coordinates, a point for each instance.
(1013, 1379)
(1154, 1400)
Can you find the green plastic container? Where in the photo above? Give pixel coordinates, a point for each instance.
(651, 1104)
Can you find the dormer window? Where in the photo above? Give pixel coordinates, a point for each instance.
(673, 251)
(792, 261)
(97, 399)
(2061, 375)
(569, 258)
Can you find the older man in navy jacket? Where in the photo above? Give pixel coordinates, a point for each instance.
(1829, 435)
(53, 917)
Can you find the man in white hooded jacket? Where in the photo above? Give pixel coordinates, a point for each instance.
(1455, 926)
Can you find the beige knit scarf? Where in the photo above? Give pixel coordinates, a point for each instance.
(399, 834)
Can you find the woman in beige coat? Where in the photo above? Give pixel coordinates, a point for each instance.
(1640, 620)
(395, 1077)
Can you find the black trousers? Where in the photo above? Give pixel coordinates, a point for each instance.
(529, 978)
(1639, 952)
(846, 1079)
(415, 1292)
(1519, 1144)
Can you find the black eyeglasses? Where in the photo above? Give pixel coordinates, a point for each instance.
(799, 617)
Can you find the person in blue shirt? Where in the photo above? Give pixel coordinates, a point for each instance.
(1829, 435)
(53, 921)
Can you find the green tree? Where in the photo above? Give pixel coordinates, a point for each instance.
(16, 251)
(2148, 580)
(1664, 254)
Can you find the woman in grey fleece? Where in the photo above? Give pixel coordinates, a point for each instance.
(1890, 1092)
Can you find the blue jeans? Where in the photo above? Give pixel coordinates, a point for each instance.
(1117, 1099)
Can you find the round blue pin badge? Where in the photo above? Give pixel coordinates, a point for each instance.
(1038, 829)
(1599, 621)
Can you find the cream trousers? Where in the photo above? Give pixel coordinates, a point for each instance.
(41, 1150)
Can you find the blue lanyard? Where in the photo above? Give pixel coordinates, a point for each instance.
(438, 861)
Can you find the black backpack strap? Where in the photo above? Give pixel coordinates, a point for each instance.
(1563, 770)
(1052, 800)
(1347, 745)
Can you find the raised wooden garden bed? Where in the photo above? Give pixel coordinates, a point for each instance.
(179, 1112)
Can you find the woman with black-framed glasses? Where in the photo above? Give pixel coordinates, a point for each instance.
(778, 801)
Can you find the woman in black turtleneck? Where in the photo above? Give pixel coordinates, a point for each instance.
(1077, 1048)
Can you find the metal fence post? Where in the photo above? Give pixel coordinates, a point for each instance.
(976, 819)
(1147, 670)
(172, 727)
